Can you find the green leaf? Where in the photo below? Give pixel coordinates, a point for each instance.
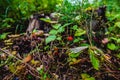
(113, 38)
(76, 40)
(50, 38)
(3, 35)
(54, 32)
(118, 55)
(117, 24)
(86, 77)
(67, 24)
(45, 76)
(94, 60)
(41, 72)
(12, 68)
(34, 30)
(29, 76)
(75, 27)
(59, 38)
(56, 26)
(84, 44)
(61, 29)
(111, 28)
(80, 32)
(91, 78)
(46, 19)
(111, 46)
(118, 40)
(74, 55)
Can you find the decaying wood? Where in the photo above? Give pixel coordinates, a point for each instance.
(33, 24)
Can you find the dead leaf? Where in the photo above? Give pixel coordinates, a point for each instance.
(46, 34)
(3, 56)
(14, 52)
(55, 76)
(107, 56)
(14, 36)
(8, 41)
(39, 33)
(78, 49)
(28, 58)
(8, 44)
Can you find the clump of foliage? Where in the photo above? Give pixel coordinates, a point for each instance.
(75, 48)
(14, 13)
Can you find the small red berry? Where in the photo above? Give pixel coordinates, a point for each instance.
(69, 38)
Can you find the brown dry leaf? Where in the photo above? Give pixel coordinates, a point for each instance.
(14, 36)
(107, 56)
(39, 33)
(3, 56)
(28, 58)
(8, 41)
(46, 34)
(20, 67)
(8, 44)
(78, 49)
(47, 78)
(55, 76)
(14, 52)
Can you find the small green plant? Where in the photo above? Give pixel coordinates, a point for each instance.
(55, 33)
(44, 75)
(86, 77)
(94, 60)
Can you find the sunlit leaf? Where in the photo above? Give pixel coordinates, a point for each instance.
(45, 19)
(80, 32)
(61, 29)
(111, 46)
(74, 55)
(45, 76)
(118, 40)
(50, 38)
(56, 26)
(117, 24)
(3, 35)
(118, 55)
(94, 60)
(75, 27)
(59, 38)
(86, 77)
(67, 24)
(78, 49)
(54, 32)
(12, 68)
(91, 78)
(48, 20)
